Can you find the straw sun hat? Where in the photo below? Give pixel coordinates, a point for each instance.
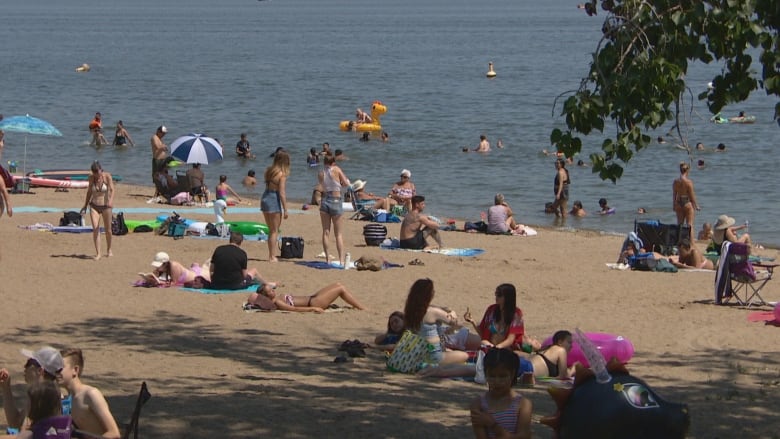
(724, 222)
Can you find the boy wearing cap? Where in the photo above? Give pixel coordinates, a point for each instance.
(43, 364)
(89, 407)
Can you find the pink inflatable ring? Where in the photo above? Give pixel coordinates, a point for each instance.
(610, 345)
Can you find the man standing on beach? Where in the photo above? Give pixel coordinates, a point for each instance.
(159, 151)
(416, 227)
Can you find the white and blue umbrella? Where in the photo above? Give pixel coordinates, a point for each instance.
(196, 148)
(28, 125)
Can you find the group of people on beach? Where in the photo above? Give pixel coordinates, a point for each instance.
(58, 403)
(506, 354)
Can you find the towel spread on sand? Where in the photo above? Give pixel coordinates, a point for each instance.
(250, 289)
(394, 245)
(332, 308)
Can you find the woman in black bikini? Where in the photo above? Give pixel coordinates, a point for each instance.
(100, 198)
(551, 361)
(267, 299)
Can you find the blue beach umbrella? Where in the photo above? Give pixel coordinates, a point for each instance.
(196, 148)
(28, 125)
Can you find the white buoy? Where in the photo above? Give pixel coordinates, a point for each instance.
(491, 73)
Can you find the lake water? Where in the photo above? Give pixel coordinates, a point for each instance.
(287, 71)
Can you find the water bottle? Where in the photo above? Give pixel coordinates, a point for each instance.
(347, 261)
(479, 376)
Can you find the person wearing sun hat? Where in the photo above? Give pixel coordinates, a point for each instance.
(44, 364)
(724, 230)
(174, 273)
(365, 199)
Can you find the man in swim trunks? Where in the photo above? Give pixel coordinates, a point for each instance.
(159, 151)
(229, 266)
(96, 128)
(416, 227)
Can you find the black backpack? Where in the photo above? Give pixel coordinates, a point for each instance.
(118, 226)
(71, 218)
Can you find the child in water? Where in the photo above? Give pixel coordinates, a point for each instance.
(501, 412)
(395, 328)
(604, 207)
(705, 234)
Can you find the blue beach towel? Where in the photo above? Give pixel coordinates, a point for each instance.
(322, 265)
(468, 252)
(251, 289)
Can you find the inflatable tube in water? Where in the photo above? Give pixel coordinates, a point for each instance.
(609, 345)
(344, 125)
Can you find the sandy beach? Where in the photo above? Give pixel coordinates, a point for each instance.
(215, 370)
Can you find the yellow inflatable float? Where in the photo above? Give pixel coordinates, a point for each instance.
(364, 122)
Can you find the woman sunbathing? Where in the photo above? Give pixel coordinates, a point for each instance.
(551, 361)
(266, 298)
(168, 272)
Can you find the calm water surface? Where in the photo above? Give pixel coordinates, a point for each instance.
(287, 71)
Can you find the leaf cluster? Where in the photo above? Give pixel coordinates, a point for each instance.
(636, 81)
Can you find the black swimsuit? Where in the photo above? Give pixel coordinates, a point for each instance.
(552, 368)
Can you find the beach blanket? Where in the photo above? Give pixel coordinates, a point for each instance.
(322, 265)
(394, 245)
(225, 238)
(332, 308)
(250, 289)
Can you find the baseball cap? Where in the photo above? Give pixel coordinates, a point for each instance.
(163, 129)
(48, 357)
(406, 173)
(160, 258)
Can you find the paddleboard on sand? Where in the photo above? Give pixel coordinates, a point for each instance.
(65, 174)
(48, 182)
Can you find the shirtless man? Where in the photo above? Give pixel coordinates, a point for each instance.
(416, 227)
(159, 151)
(684, 197)
(691, 257)
(89, 409)
(250, 180)
(484, 145)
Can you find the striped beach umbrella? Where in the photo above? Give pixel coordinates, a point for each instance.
(196, 148)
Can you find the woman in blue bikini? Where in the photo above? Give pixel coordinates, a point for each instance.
(273, 202)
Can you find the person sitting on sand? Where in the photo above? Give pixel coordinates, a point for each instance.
(725, 231)
(502, 324)
(42, 365)
(691, 257)
(500, 218)
(395, 329)
(705, 234)
(228, 269)
(89, 408)
(266, 298)
(402, 191)
(577, 209)
(168, 272)
(416, 227)
(46, 419)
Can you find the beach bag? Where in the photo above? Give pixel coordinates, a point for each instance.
(118, 226)
(71, 218)
(291, 247)
(409, 353)
(365, 263)
(374, 234)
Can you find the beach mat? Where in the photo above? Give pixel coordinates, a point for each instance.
(332, 308)
(250, 289)
(225, 238)
(468, 252)
(322, 265)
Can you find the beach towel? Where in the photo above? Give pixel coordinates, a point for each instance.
(332, 308)
(250, 289)
(322, 265)
(468, 252)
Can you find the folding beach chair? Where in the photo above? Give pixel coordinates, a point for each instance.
(364, 209)
(737, 278)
